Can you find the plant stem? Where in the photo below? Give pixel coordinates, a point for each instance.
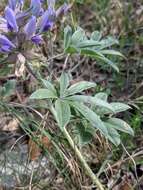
(82, 160)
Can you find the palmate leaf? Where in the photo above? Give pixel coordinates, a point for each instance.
(91, 116)
(94, 47)
(63, 113)
(79, 87)
(120, 125)
(92, 100)
(43, 94)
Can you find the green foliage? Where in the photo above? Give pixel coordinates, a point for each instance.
(84, 133)
(43, 94)
(96, 110)
(95, 46)
(8, 89)
(63, 113)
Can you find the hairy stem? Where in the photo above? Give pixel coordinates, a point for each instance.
(82, 160)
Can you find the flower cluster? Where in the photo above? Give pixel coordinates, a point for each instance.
(19, 26)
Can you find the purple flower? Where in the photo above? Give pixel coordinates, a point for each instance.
(37, 39)
(30, 31)
(13, 3)
(47, 20)
(30, 27)
(19, 26)
(11, 19)
(36, 7)
(5, 44)
(21, 2)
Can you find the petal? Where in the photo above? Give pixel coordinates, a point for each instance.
(5, 49)
(11, 19)
(4, 41)
(30, 27)
(36, 7)
(21, 2)
(37, 39)
(47, 20)
(5, 44)
(12, 4)
(41, 12)
(22, 18)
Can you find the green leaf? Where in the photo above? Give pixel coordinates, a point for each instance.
(79, 87)
(85, 134)
(96, 35)
(111, 52)
(88, 44)
(91, 116)
(97, 55)
(43, 94)
(78, 36)
(8, 88)
(116, 106)
(119, 107)
(101, 44)
(49, 86)
(120, 125)
(91, 52)
(113, 135)
(108, 42)
(63, 112)
(67, 37)
(109, 62)
(102, 96)
(72, 49)
(64, 83)
(91, 100)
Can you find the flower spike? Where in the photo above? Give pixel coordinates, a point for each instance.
(11, 19)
